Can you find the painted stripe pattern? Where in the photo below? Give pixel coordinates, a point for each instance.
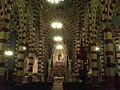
(5, 8)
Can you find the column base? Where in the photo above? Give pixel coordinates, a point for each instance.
(1, 82)
(19, 79)
(110, 84)
(29, 79)
(94, 79)
(39, 77)
(42, 78)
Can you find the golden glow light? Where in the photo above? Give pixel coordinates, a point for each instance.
(59, 47)
(119, 47)
(56, 25)
(24, 48)
(97, 48)
(8, 53)
(55, 1)
(58, 38)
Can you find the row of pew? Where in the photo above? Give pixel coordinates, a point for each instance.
(81, 86)
(32, 86)
(49, 86)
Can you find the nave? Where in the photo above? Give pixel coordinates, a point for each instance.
(76, 42)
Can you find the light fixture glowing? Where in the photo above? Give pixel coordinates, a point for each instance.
(118, 47)
(24, 48)
(55, 1)
(8, 53)
(59, 25)
(58, 38)
(52, 1)
(59, 47)
(56, 25)
(97, 48)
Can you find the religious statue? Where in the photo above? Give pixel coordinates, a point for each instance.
(59, 66)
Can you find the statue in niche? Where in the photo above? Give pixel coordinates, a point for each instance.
(59, 66)
(69, 65)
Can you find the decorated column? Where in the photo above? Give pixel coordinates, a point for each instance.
(109, 57)
(5, 8)
(31, 53)
(21, 43)
(118, 56)
(107, 10)
(92, 25)
(102, 58)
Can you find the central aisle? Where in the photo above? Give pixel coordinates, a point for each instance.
(57, 86)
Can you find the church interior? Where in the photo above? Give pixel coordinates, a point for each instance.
(71, 43)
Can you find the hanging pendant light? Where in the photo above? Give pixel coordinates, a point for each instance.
(59, 47)
(8, 53)
(57, 38)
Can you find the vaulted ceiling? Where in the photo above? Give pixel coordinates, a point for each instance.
(68, 12)
(74, 15)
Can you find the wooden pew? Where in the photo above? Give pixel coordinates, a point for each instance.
(33, 86)
(80, 86)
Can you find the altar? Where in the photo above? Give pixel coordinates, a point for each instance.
(59, 65)
(58, 79)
